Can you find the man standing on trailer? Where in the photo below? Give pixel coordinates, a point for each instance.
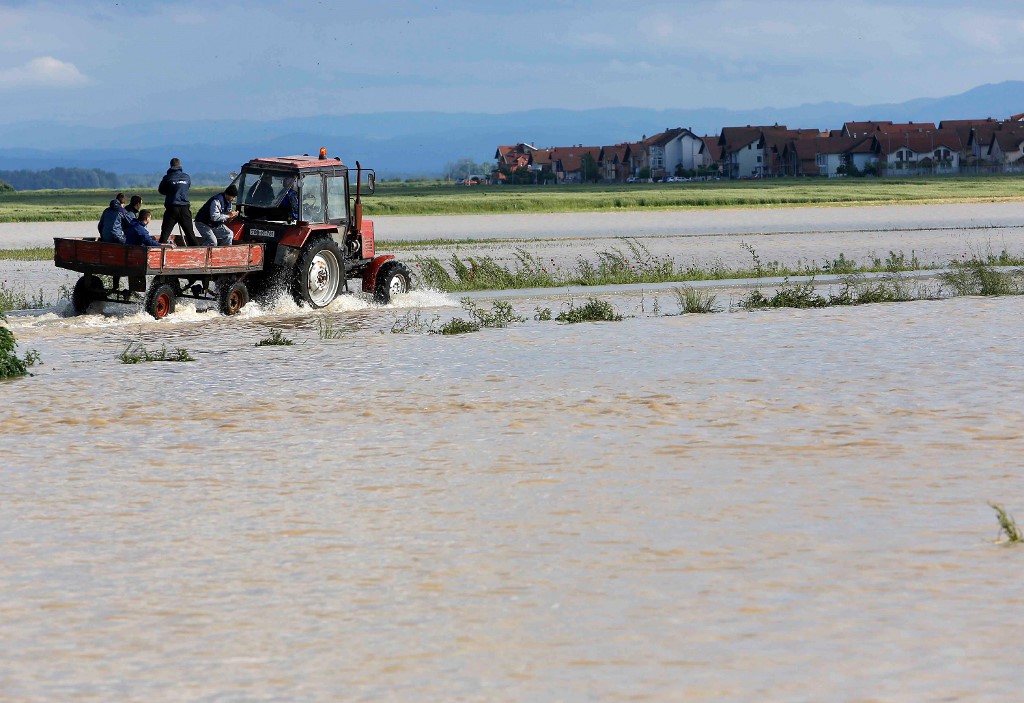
(177, 211)
(213, 217)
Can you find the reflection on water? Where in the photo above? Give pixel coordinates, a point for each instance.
(783, 505)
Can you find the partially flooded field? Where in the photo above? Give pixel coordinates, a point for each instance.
(784, 504)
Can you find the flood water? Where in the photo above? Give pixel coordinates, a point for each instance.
(784, 505)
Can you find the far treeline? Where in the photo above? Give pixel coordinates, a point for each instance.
(58, 178)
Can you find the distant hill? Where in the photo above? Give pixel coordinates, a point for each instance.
(420, 143)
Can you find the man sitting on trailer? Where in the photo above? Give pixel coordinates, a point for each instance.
(136, 233)
(213, 217)
(112, 220)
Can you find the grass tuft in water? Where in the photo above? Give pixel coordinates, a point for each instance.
(542, 314)
(412, 322)
(1007, 525)
(457, 326)
(326, 329)
(12, 298)
(276, 339)
(692, 300)
(136, 353)
(593, 310)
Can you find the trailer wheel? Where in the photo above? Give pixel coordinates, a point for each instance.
(161, 300)
(392, 279)
(318, 274)
(88, 289)
(233, 297)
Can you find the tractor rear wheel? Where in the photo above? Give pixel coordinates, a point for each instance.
(233, 296)
(88, 289)
(318, 273)
(392, 279)
(161, 299)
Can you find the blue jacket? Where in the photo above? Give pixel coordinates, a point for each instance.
(215, 211)
(111, 224)
(137, 234)
(174, 186)
(290, 202)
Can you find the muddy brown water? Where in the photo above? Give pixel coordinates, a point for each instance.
(781, 505)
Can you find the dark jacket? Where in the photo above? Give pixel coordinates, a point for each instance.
(215, 211)
(111, 224)
(137, 234)
(174, 187)
(290, 203)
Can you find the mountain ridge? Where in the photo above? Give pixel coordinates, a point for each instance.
(407, 144)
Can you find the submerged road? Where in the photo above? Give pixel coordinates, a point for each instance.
(659, 223)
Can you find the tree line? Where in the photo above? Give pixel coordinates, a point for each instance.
(58, 178)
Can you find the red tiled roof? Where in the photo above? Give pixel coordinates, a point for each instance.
(712, 147)
(918, 142)
(1008, 139)
(569, 156)
(615, 154)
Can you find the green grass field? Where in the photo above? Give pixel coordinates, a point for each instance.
(443, 199)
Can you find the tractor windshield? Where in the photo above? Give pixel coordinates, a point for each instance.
(261, 193)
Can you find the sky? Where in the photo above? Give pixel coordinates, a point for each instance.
(96, 63)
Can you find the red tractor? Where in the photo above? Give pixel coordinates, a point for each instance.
(300, 228)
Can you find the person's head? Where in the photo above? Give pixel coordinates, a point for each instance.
(119, 198)
(230, 193)
(135, 203)
(289, 182)
(145, 216)
(175, 162)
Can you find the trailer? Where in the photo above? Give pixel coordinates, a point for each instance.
(202, 273)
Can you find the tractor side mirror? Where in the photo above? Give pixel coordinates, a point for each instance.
(371, 182)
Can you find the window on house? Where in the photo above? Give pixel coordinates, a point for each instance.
(820, 160)
(758, 159)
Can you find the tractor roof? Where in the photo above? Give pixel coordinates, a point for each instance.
(303, 162)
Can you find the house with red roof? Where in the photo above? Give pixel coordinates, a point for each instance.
(918, 152)
(1006, 152)
(614, 162)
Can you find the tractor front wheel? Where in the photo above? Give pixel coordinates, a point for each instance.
(392, 279)
(318, 274)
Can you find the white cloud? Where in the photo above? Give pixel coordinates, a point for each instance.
(44, 71)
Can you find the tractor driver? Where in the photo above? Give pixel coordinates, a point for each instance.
(290, 202)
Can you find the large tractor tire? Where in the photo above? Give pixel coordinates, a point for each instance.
(318, 275)
(88, 289)
(392, 279)
(232, 296)
(161, 299)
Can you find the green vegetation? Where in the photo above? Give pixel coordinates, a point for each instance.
(276, 339)
(856, 290)
(61, 177)
(12, 298)
(1007, 525)
(136, 353)
(11, 365)
(326, 330)
(78, 205)
(437, 198)
(974, 277)
(33, 254)
(6, 187)
(500, 315)
(692, 300)
(593, 310)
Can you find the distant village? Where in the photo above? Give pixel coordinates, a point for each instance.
(752, 152)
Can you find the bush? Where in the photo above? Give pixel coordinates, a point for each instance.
(11, 365)
(593, 311)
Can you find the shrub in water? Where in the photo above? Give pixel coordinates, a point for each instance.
(10, 364)
(276, 339)
(593, 310)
